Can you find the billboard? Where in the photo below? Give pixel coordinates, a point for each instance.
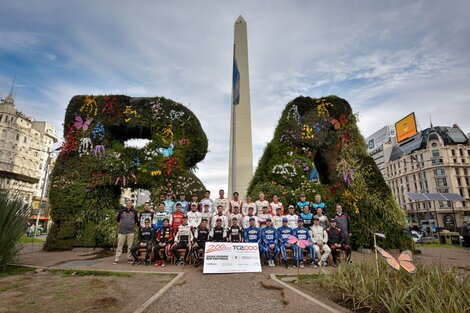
(406, 127)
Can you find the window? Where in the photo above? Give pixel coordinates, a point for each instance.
(435, 154)
(436, 161)
(17, 137)
(461, 152)
(441, 182)
(459, 183)
(465, 171)
(453, 152)
(434, 144)
(463, 160)
(439, 172)
(455, 160)
(25, 139)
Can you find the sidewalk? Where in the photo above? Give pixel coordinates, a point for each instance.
(194, 291)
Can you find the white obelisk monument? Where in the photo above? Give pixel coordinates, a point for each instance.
(241, 151)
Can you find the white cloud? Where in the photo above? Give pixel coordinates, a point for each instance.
(386, 59)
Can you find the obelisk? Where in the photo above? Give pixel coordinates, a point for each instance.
(241, 150)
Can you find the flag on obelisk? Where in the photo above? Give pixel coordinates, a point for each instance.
(241, 150)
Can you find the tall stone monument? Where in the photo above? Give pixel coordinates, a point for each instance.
(241, 154)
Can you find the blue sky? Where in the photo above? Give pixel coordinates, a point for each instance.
(386, 58)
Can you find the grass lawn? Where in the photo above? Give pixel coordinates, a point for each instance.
(437, 245)
(25, 239)
(11, 270)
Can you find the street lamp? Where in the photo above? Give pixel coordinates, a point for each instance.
(43, 190)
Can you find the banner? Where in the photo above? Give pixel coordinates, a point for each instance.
(228, 257)
(406, 127)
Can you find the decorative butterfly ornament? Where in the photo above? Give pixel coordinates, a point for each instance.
(299, 242)
(404, 260)
(342, 121)
(79, 123)
(166, 152)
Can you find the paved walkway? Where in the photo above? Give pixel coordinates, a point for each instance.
(194, 292)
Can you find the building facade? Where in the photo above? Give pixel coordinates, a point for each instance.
(375, 145)
(25, 145)
(436, 160)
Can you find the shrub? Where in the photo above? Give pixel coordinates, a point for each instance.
(432, 289)
(13, 222)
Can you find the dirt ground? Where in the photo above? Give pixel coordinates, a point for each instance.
(53, 292)
(196, 292)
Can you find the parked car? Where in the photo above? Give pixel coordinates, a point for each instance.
(39, 230)
(416, 236)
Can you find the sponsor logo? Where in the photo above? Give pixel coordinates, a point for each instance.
(245, 248)
(219, 247)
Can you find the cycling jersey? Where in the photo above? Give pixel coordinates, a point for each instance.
(194, 218)
(292, 220)
(176, 220)
(158, 218)
(308, 219)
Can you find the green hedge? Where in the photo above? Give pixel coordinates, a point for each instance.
(306, 137)
(86, 182)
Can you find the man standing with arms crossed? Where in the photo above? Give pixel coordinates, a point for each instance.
(127, 220)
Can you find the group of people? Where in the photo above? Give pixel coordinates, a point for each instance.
(181, 225)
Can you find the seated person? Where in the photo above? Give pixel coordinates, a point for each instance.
(146, 236)
(283, 233)
(302, 233)
(235, 232)
(269, 240)
(319, 237)
(183, 240)
(336, 241)
(253, 234)
(201, 236)
(218, 232)
(164, 241)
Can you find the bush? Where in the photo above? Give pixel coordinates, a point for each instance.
(322, 134)
(432, 289)
(13, 222)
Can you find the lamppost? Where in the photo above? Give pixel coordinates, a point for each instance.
(44, 185)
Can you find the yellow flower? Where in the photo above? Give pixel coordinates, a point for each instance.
(90, 106)
(155, 173)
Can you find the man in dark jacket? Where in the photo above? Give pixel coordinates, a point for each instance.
(336, 241)
(343, 222)
(146, 237)
(127, 220)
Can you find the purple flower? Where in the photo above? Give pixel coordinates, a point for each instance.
(99, 152)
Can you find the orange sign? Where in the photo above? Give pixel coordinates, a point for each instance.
(406, 127)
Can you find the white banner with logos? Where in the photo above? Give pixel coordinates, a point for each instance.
(229, 257)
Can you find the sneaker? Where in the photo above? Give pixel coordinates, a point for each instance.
(115, 262)
(286, 265)
(302, 265)
(294, 266)
(162, 264)
(196, 263)
(130, 261)
(313, 265)
(135, 263)
(158, 264)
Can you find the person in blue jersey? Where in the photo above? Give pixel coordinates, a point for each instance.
(302, 233)
(159, 216)
(253, 234)
(169, 203)
(307, 216)
(184, 204)
(300, 205)
(269, 240)
(319, 204)
(283, 234)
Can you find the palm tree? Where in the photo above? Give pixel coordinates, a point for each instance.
(13, 222)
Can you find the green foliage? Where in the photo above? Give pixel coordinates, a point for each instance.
(14, 215)
(432, 289)
(322, 133)
(86, 183)
(10, 270)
